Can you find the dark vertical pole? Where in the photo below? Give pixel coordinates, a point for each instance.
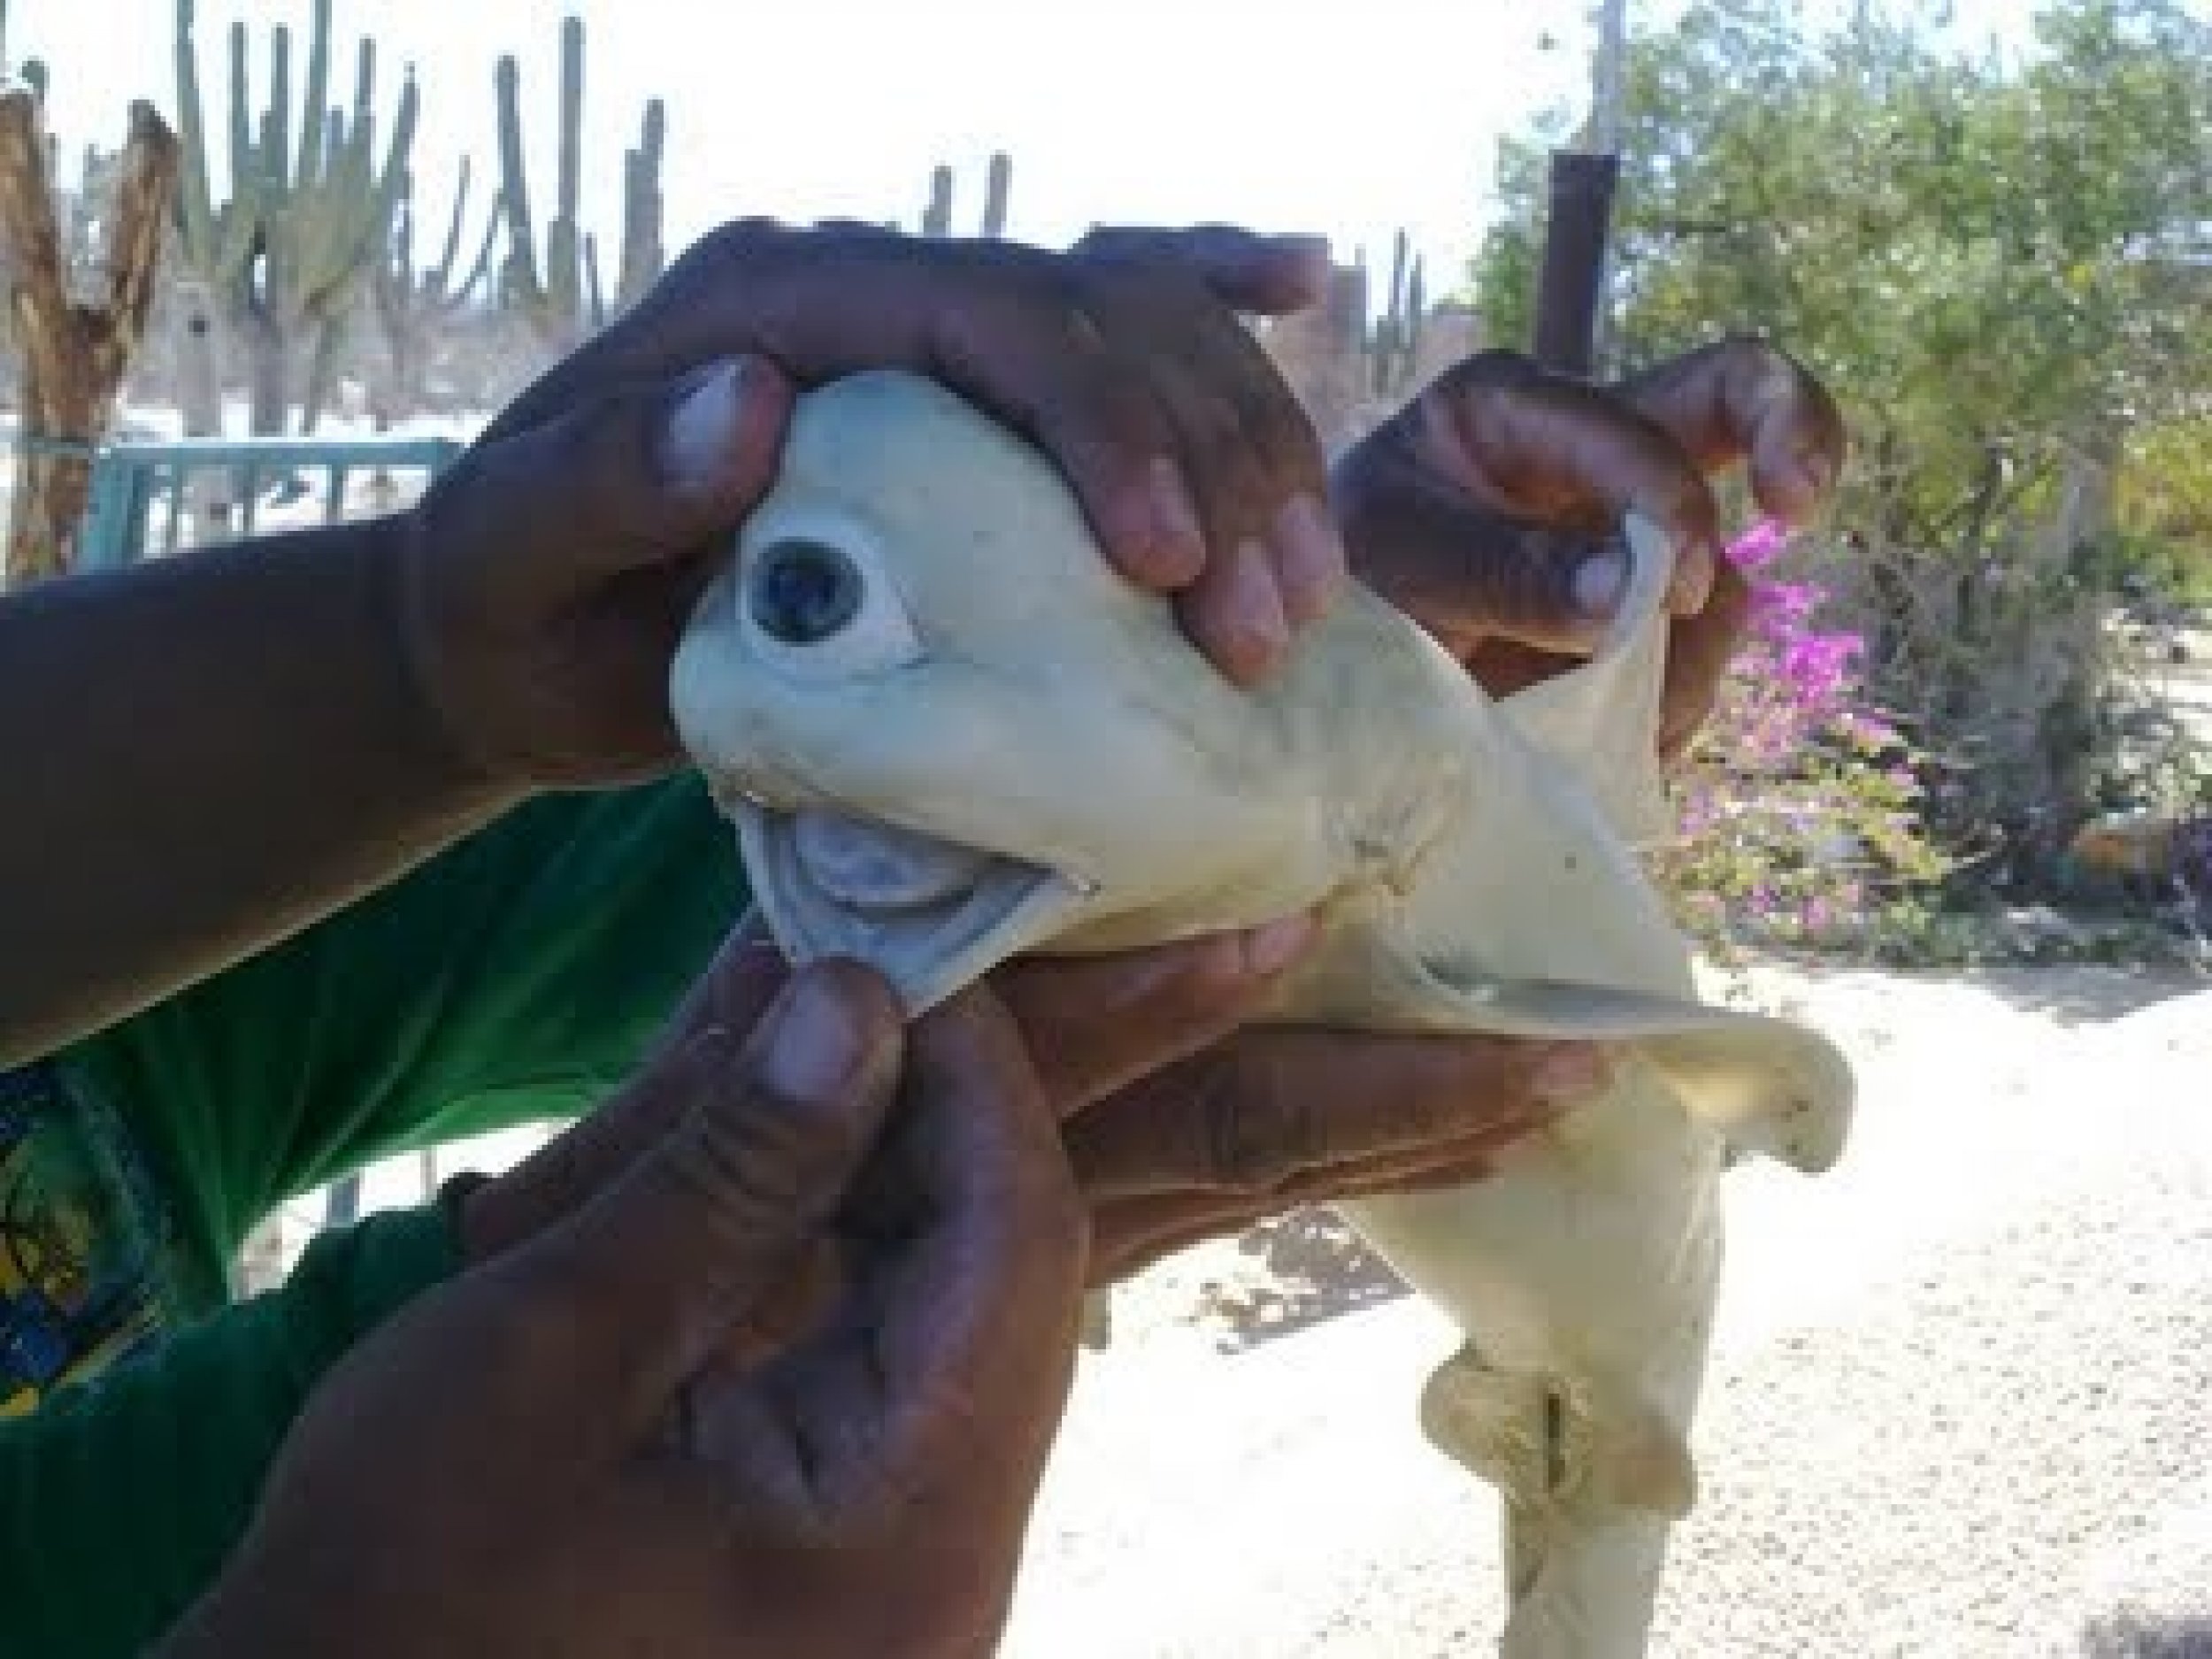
(1573, 272)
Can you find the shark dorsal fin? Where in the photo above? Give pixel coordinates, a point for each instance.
(1601, 721)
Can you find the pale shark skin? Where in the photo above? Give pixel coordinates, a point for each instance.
(1065, 772)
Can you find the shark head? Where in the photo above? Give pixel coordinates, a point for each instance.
(947, 731)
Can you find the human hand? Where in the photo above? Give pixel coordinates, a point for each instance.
(546, 576)
(551, 1454)
(1489, 507)
(1181, 1123)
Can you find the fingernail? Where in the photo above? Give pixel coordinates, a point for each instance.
(1571, 1073)
(815, 1044)
(702, 429)
(1254, 602)
(1175, 526)
(1309, 560)
(1599, 582)
(1274, 947)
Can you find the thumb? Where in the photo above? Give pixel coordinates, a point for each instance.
(1488, 504)
(638, 477)
(655, 1271)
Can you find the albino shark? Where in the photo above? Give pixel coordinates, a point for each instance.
(949, 732)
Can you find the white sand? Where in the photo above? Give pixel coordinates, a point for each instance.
(1959, 1405)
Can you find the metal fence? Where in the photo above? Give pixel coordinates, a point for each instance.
(142, 492)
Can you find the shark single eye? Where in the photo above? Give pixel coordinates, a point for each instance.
(815, 607)
(801, 593)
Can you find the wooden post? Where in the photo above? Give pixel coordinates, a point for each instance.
(74, 356)
(1572, 285)
(1571, 296)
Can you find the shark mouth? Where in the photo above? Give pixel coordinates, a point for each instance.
(931, 916)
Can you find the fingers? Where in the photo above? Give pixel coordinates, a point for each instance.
(563, 1175)
(605, 521)
(1275, 559)
(1247, 459)
(1269, 1108)
(1491, 505)
(628, 480)
(1743, 399)
(1092, 355)
(1093, 1024)
(1700, 648)
(1698, 651)
(942, 1380)
(1130, 1235)
(1126, 364)
(1263, 274)
(657, 1268)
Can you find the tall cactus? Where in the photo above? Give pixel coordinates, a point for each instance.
(1394, 345)
(644, 254)
(559, 296)
(413, 303)
(288, 251)
(997, 187)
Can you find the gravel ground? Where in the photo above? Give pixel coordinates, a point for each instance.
(1959, 1405)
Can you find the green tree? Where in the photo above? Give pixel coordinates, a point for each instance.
(1997, 264)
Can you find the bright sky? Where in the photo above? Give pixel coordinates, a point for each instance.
(1349, 116)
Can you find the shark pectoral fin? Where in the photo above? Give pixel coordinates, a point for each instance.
(1601, 721)
(1767, 1085)
(1764, 1084)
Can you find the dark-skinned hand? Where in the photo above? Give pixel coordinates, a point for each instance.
(1181, 1121)
(544, 580)
(1488, 507)
(551, 1457)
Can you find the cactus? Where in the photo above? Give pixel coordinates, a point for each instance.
(998, 185)
(289, 250)
(561, 297)
(937, 217)
(412, 304)
(643, 253)
(1393, 345)
(1350, 371)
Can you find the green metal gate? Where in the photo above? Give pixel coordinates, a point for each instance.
(140, 501)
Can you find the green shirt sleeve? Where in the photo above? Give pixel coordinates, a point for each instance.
(120, 1500)
(516, 977)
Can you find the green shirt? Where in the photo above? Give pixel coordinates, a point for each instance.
(516, 978)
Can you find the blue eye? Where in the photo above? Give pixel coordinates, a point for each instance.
(802, 593)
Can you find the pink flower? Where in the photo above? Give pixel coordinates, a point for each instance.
(1759, 545)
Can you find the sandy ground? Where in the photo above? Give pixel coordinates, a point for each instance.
(1959, 1404)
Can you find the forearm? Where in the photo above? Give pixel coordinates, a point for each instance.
(201, 754)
